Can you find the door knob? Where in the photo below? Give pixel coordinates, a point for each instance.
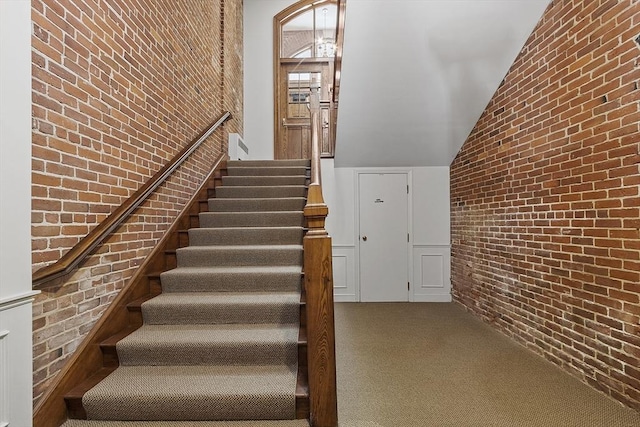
(364, 238)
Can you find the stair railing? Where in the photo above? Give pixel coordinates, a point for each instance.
(318, 280)
(70, 260)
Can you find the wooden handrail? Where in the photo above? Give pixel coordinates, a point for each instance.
(321, 358)
(337, 66)
(70, 260)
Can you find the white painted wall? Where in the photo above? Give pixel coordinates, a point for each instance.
(417, 75)
(15, 214)
(258, 75)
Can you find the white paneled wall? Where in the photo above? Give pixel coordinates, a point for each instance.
(429, 266)
(344, 273)
(15, 214)
(432, 273)
(15, 362)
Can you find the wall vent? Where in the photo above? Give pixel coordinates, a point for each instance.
(237, 148)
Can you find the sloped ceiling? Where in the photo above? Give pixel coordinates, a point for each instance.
(417, 75)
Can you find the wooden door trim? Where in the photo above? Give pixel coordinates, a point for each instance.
(306, 60)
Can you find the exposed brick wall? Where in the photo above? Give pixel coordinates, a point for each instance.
(119, 87)
(545, 197)
(233, 64)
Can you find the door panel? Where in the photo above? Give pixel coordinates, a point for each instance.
(384, 225)
(293, 133)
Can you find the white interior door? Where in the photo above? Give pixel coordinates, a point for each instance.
(383, 243)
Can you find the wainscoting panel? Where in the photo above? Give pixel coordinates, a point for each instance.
(431, 273)
(344, 284)
(16, 360)
(4, 379)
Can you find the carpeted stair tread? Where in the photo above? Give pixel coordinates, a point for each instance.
(194, 393)
(259, 423)
(235, 344)
(222, 307)
(269, 163)
(247, 255)
(245, 236)
(260, 191)
(240, 279)
(252, 219)
(257, 204)
(267, 171)
(264, 180)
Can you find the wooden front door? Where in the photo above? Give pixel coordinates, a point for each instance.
(293, 127)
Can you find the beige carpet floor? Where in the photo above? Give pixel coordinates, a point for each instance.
(424, 364)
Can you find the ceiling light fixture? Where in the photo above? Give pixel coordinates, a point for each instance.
(326, 46)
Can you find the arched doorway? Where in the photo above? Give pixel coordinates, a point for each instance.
(304, 52)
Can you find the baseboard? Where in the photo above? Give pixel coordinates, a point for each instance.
(344, 298)
(432, 298)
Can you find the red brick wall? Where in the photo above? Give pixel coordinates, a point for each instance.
(545, 197)
(118, 88)
(232, 84)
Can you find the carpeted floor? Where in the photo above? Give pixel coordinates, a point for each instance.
(433, 364)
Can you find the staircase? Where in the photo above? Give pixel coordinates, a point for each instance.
(222, 344)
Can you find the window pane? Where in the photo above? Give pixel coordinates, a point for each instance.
(299, 89)
(326, 22)
(311, 34)
(297, 35)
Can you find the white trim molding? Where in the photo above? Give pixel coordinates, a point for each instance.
(431, 273)
(4, 375)
(16, 360)
(16, 301)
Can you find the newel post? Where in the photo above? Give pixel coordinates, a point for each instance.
(318, 281)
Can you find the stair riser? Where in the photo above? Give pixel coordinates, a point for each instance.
(274, 219)
(274, 171)
(231, 283)
(256, 205)
(192, 409)
(245, 236)
(262, 423)
(223, 257)
(268, 163)
(228, 354)
(223, 314)
(264, 192)
(196, 392)
(263, 180)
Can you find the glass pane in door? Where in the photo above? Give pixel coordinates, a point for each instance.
(299, 89)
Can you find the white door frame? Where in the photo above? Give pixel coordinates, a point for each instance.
(356, 237)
